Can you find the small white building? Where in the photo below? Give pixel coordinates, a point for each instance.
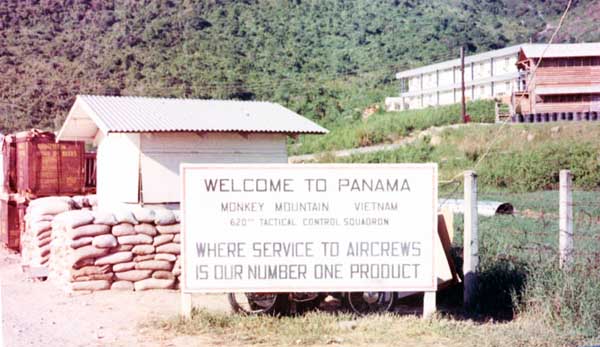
(141, 141)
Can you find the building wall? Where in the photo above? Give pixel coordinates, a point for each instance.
(118, 169)
(162, 154)
(442, 86)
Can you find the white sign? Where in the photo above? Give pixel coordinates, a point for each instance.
(284, 228)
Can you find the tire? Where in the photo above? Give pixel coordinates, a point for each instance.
(308, 302)
(363, 303)
(258, 303)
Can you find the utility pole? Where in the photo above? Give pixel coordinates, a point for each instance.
(462, 84)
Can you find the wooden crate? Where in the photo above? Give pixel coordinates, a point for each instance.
(46, 168)
(10, 223)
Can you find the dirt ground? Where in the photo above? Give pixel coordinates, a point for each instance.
(36, 313)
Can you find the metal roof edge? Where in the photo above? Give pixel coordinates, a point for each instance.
(455, 62)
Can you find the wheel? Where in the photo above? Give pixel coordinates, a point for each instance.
(258, 303)
(370, 302)
(305, 302)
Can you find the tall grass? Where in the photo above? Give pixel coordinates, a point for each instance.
(387, 126)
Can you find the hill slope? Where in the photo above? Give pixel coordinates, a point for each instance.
(325, 59)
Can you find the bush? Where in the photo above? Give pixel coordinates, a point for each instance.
(538, 168)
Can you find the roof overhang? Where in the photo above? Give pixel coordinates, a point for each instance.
(80, 124)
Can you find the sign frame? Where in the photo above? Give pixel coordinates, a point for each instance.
(184, 168)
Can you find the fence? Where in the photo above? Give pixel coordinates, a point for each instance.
(548, 230)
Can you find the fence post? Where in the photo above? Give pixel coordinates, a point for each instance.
(471, 240)
(565, 238)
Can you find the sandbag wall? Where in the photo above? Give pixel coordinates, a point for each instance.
(36, 238)
(120, 250)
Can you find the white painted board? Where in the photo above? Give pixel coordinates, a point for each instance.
(281, 228)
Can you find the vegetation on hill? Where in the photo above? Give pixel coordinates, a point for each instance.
(387, 127)
(327, 60)
(518, 158)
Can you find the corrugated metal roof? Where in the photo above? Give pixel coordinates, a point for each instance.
(591, 89)
(448, 64)
(531, 50)
(143, 114)
(561, 50)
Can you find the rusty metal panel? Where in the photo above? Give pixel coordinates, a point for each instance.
(45, 167)
(9, 154)
(10, 223)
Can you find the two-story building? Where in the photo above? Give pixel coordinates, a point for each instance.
(566, 80)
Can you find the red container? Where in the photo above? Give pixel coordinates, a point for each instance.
(9, 153)
(46, 168)
(10, 222)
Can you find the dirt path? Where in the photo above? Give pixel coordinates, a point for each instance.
(36, 313)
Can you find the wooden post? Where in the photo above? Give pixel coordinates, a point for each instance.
(565, 238)
(462, 85)
(429, 304)
(186, 305)
(471, 240)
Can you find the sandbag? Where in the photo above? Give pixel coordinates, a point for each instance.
(83, 241)
(176, 270)
(92, 200)
(143, 250)
(87, 252)
(144, 215)
(173, 248)
(45, 235)
(105, 241)
(91, 285)
(76, 218)
(40, 227)
(106, 218)
(177, 238)
(165, 256)
(162, 239)
(177, 215)
(79, 202)
(44, 242)
(123, 229)
(125, 216)
(145, 228)
(108, 276)
(32, 218)
(121, 248)
(145, 257)
(154, 265)
(164, 217)
(88, 230)
(123, 266)
(153, 283)
(122, 285)
(138, 239)
(85, 262)
(169, 229)
(163, 275)
(115, 258)
(133, 275)
(90, 270)
(50, 205)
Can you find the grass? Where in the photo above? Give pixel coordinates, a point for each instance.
(386, 127)
(320, 328)
(517, 158)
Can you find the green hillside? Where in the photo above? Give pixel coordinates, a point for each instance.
(326, 59)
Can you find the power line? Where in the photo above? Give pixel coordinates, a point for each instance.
(531, 76)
